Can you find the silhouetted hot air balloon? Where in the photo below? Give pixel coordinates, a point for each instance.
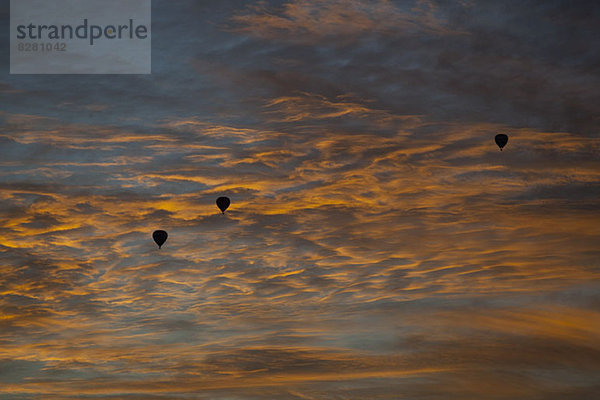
(160, 237)
(223, 203)
(501, 140)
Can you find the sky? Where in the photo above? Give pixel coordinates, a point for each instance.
(378, 244)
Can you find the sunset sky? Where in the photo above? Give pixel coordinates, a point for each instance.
(378, 244)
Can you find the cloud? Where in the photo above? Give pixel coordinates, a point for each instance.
(317, 20)
(377, 243)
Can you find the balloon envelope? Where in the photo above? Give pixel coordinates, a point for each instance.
(223, 203)
(160, 237)
(501, 140)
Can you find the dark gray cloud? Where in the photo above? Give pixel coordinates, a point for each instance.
(377, 242)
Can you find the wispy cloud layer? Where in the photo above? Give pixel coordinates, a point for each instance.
(378, 245)
(302, 21)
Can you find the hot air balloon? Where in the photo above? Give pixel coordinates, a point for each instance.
(160, 237)
(223, 203)
(501, 140)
